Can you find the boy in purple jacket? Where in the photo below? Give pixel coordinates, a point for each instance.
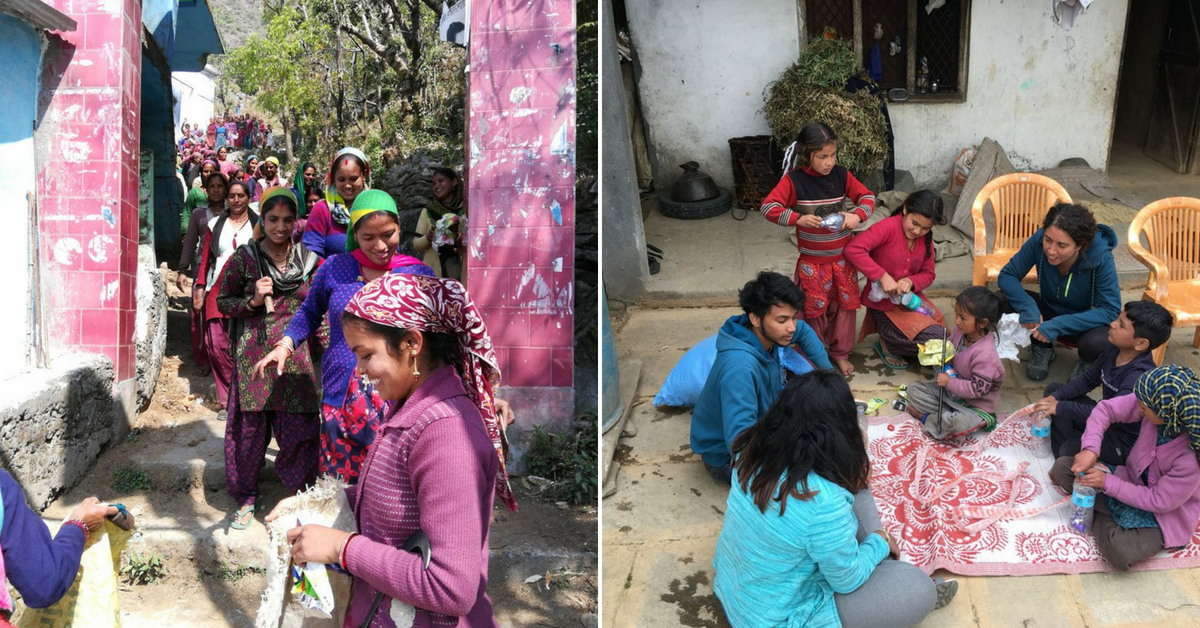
(1140, 329)
(1153, 501)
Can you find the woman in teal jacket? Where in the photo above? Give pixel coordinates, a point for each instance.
(802, 544)
(1078, 291)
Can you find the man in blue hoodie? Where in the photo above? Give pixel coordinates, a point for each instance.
(746, 377)
(1079, 294)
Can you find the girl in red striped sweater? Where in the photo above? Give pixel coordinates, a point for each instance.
(810, 197)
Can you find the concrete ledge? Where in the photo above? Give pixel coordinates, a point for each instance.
(54, 422)
(150, 325)
(551, 408)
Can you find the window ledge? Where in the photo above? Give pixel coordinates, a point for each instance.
(929, 99)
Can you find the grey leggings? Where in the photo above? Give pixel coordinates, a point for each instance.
(897, 595)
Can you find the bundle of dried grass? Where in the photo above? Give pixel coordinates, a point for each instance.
(811, 90)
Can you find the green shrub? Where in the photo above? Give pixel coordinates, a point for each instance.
(128, 479)
(145, 569)
(567, 458)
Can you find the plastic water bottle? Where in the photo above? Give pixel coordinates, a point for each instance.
(913, 302)
(1083, 500)
(950, 371)
(834, 222)
(1040, 425)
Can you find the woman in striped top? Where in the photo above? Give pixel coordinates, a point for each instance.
(811, 197)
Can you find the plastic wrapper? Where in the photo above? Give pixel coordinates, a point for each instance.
(446, 230)
(834, 222)
(878, 294)
(930, 353)
(1010, 337)
(311, 588)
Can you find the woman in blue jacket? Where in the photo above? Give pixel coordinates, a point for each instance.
(802, 544)
(1078, 291)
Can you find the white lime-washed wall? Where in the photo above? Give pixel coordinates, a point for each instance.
(1044, 93)
(20, 64)
(703, 69)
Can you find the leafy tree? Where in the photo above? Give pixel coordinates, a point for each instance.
(277, 70)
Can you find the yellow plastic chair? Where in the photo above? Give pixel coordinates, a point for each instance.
(1171, 227)
(1019, 202)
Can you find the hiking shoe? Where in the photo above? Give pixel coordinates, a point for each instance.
(1081, 366)
(1038, 366)
(946, 590)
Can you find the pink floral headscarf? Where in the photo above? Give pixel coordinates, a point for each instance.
(434, 304)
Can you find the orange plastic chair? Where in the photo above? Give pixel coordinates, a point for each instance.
(1171, 227)
(1020, 202)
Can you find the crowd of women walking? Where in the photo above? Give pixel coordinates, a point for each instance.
(318, 330)
(235, 132)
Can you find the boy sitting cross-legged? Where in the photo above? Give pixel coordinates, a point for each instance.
(1141, 327)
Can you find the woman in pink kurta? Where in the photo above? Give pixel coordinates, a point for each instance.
(897, 254)
(435, 466)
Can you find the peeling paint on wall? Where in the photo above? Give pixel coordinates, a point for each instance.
(67, 251)
(556, 211)
(109, 291)
(98, 248)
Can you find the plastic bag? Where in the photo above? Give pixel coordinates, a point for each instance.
(961, 169)
(324, 503)
(446, 230)
(877, 293)
(310, 585)
(684, 383)
(930, 353)
(92, 601)
(1011, 336)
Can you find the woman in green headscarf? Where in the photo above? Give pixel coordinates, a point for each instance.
(1153, 501)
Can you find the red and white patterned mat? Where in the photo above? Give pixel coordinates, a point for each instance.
(985, 507)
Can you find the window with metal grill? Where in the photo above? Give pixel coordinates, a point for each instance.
(924, 52)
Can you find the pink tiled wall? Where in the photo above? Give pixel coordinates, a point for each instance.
(521, 185)
(87, 153)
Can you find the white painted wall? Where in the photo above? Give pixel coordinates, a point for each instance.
(195, 93)
(1044, 93)
(703, 69)
(20, 64)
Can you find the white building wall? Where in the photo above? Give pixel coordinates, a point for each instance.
(704, 66)
(1044, 93)
(195, 95)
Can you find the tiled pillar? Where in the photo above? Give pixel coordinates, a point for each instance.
(521, 198)
(87, 179)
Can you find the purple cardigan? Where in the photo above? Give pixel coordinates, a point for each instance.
(40, 568)
(431, 467)
(1173, 492)
(980, 373)
(322, 235)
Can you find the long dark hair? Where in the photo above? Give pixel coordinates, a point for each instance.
(929, 204)
(811, 138)
(812, 427)
(453, 175)
(980, 302)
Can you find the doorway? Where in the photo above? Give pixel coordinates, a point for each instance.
(1156, 137)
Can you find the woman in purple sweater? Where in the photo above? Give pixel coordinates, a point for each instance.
(40, 567)
(1153, 500)
(349, 175)
(436, 464)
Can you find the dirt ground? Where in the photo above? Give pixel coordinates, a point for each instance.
(209, 579)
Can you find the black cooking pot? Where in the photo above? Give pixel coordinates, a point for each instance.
(693, 185)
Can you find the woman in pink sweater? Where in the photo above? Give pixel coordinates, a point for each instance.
(435, 466)
(897, 254)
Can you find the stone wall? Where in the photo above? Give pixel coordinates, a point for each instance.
(150, 325)
(54, 422)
